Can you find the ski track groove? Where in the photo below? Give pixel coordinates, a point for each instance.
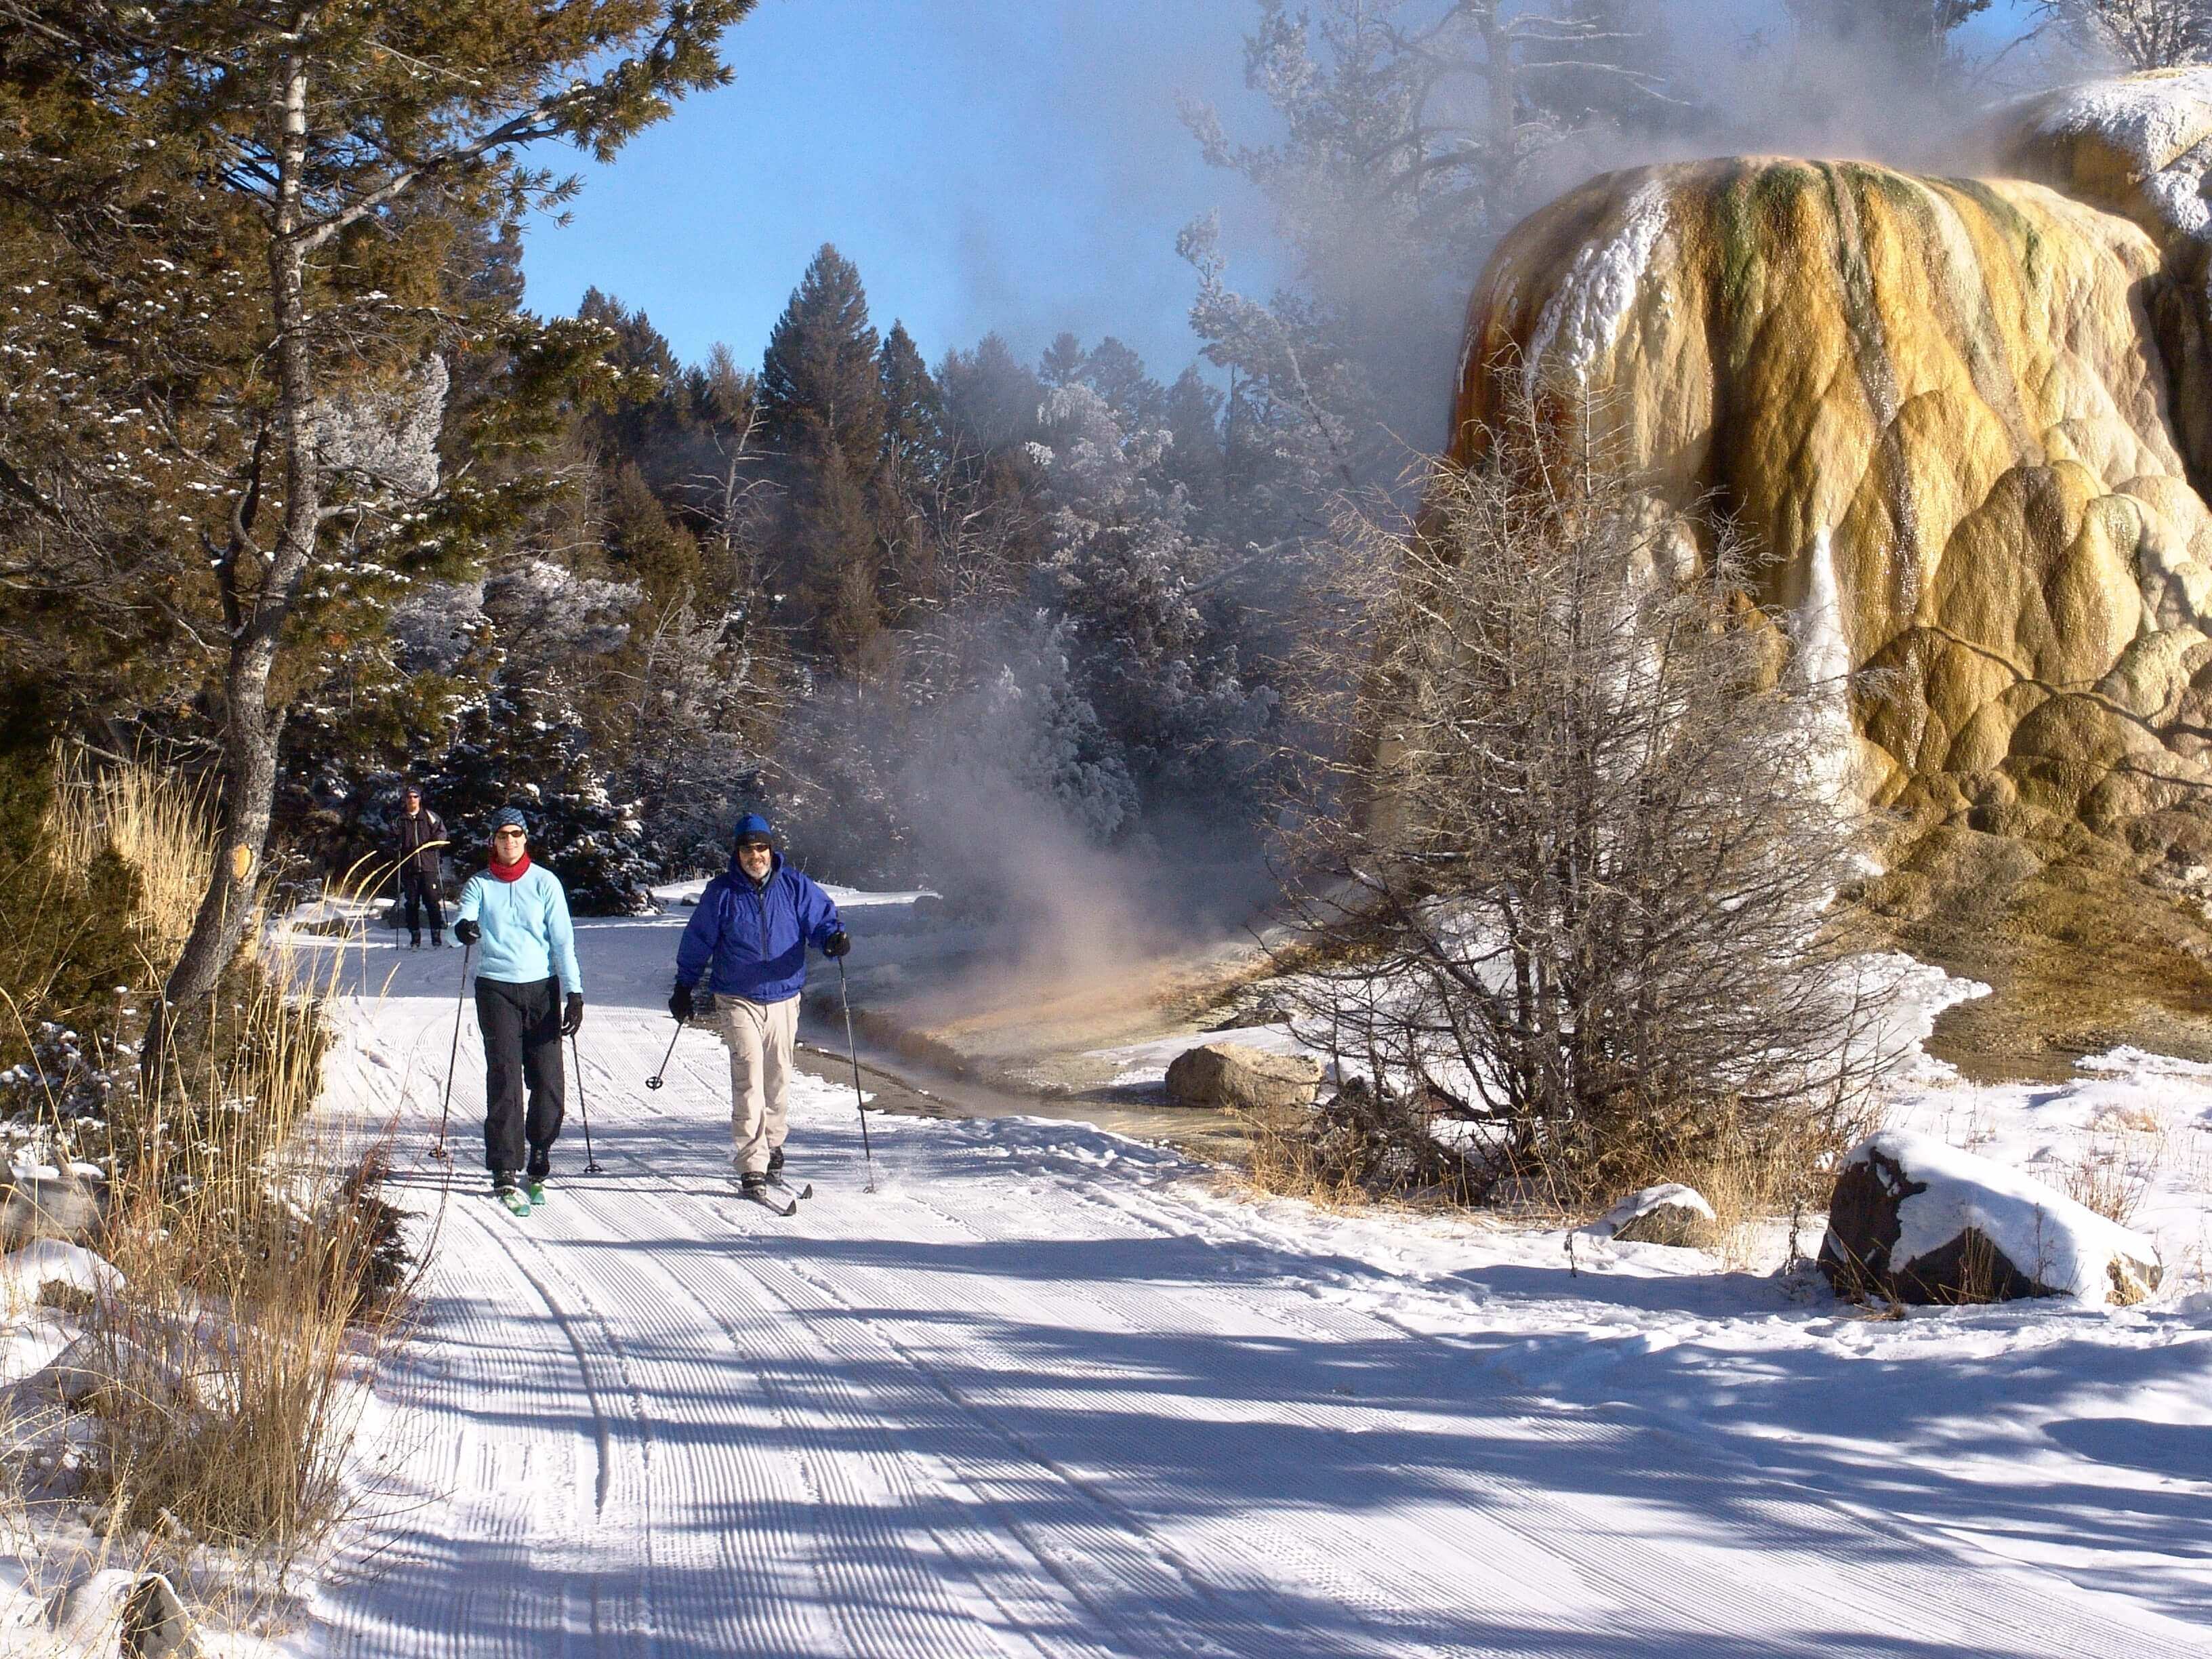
(913, 1617)
(779, 1437)
(952, 1539)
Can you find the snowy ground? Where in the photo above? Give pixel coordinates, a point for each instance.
(1052, 1392)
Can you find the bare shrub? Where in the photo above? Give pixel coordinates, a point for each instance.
(1576, 868)
(2116, 1161)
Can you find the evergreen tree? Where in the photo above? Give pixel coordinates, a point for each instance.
(1194, 462)
(304, 134)
(525, 745)
(1116, 374)
(913, 416)
(833, 540)
(991, 400)
(819, 380)
(1062, 362)
(643, 545)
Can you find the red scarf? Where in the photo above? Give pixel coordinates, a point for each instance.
(515, 872)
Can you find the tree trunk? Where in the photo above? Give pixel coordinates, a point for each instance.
(251, 725)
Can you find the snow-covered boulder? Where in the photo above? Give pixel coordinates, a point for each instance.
(1919, 1221)
(133, 1615)
(25, 1274)
(1235, 1076)
(58, 1205)
(1668, 1214)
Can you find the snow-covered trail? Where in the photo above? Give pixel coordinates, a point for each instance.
(1042, 1395)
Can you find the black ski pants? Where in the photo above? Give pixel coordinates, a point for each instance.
(420, 890)
(521, 1026)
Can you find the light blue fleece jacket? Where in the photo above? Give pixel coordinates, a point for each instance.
(527, 936)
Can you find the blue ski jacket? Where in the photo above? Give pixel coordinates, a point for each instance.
(527, 936)
(751, 941)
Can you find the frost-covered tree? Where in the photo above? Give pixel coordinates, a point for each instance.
(525, 745)
(1122, 575)
(1022, 754)
(1414, 132)
(2141, 34)
(1574, 871)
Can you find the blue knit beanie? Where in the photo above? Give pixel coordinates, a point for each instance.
(508, 814)
(751, 827)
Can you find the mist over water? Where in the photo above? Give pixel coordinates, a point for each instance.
(1060, 911)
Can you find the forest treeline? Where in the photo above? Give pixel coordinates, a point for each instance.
(296, 491)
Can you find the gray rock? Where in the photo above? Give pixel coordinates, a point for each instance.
(1671, 1215)
(1235, 1076)
(131, 1614)
(49, 1206)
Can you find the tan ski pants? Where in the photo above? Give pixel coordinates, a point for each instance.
(760, 1037)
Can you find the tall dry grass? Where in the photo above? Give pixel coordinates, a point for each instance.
(261, 1275)
(158, 823)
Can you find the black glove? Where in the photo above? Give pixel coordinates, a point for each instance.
(680, 1004)
(837, 943)
(467, 931)
(574, 1017)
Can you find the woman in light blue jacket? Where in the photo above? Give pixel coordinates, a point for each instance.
(517, 914)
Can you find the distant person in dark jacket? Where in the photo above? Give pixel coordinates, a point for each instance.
(748, 939)
(419, 849)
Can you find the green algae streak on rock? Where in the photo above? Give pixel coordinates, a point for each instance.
(1970, 418)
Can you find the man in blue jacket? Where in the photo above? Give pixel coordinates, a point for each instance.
(518, 912)
(749, 937)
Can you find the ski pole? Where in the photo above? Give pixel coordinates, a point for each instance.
(591, 1164)
(653, 1082)
(452, 1054)
(859, 1099)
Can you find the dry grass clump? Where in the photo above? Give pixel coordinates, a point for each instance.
(2115, 1163)
(260, 1278)
(1360, 1144)
(157, 823)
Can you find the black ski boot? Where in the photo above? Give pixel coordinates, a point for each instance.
(753, 1185)
(775, 1164)
(541, 1165)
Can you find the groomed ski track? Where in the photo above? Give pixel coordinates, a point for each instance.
(1040, 1396)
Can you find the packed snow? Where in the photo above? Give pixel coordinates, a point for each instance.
(1051, 1391)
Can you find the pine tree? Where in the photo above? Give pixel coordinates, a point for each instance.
(913, 416)
(991, 400)
(819, 383)
(525, 745)
(1062, 362)
(643, 545)
(1116, 374)
(1194, 461)
(309, 132)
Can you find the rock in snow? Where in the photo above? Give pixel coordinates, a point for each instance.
(1237, 1077)
(1920, 1221)
(117, 1611)
(25, 1272)
(1669, 1214)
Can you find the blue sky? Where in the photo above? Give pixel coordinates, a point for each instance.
(1009, 164)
